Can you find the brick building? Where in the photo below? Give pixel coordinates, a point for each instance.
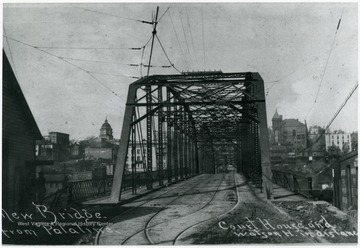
(288, 132)
(20, 132)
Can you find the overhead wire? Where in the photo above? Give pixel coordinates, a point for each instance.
(339, 110)
(68, 62)
(191, 36)
(11, 56)
(325, 67)
(203, 40)
(89, 48)
(163, 14)
(177, 38)
(187, 45)
(172, 64)
(117, 16)
(327, 61)
(275, 82)
(335, 116)
(113, 62)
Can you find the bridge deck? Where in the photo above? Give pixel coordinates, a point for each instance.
(209, 209)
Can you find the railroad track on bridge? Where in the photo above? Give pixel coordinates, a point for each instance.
(148, 225)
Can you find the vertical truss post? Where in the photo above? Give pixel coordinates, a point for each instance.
(188, 156)
(191, 157)
(197, 163)
(186, 145)
(123, 147)
(149, 147)
(189, 150)
(181, 144)
(133, 157)
(264, 138)
(169, 140)
(160, 139)
(212, 155)
(175, 158)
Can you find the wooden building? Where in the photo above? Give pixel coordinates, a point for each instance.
(346, 181)
(20, 132)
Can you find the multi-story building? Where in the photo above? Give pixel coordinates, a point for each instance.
(55, 146)
(288, 132)
(140, 156)
(354, 140)
(339, 139)
(316, 141)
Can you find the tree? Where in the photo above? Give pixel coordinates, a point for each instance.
(334, 151)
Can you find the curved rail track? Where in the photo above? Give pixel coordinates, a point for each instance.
(97, 238)
(191, 190)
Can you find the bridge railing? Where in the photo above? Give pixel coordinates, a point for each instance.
(295, 182)
(87, 189)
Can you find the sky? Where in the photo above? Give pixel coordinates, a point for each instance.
(72, 60)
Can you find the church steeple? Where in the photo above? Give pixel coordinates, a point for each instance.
(276, 115)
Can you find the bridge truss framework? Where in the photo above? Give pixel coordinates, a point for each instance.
(204, 121)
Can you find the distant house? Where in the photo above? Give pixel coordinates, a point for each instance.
(54, 147)
(288, 138)
(339, 139)
(20, 132)
(289, 131)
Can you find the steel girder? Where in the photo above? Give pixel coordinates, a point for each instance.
(209, 118)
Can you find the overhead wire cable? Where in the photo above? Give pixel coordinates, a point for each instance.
(109, 74)
(325, 67)
(203, 40)
(11, 56)
(191, 36)
(122, 17)
(163, 14)
(172, 64)
(99, 61)
(339, 110)
(176, 35)
(187, 45)
(89, 48)
(113, 62)
(68, 62)
(327, 61)
(275, 82)
(335, 115)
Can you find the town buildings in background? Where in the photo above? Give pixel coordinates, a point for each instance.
(290, 138)
(339, 139)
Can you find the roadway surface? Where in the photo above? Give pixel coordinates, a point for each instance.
(211, 209)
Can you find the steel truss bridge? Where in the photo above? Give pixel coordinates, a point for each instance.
(204, 121)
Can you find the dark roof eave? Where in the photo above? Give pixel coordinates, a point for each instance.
(21, 97)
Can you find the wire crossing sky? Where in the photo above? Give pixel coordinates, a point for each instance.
(98, 49)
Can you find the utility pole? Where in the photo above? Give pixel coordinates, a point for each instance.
(149, 117)
(153, 38)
